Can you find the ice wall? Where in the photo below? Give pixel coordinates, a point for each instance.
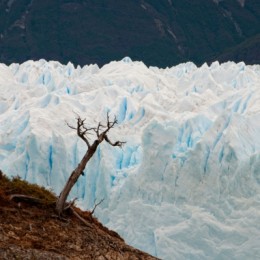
(187, 183)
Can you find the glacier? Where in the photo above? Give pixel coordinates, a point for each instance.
(186, 185)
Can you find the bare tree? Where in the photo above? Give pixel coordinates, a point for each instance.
(101, 132)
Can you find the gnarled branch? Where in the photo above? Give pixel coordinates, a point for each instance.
(82, 131)
(101, 131)
(117, 143)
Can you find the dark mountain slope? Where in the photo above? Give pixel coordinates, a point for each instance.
(159, 32)
(247, 51)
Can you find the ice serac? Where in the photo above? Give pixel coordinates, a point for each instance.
(187, 183)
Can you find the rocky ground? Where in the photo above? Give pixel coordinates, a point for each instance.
(33, 231)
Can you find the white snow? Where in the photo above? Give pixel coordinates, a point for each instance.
(187, 183)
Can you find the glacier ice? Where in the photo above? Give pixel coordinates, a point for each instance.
(187, 183)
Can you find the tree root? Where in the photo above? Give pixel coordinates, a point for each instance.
(80, 218)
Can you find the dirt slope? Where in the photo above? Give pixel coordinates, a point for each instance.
(33, 231)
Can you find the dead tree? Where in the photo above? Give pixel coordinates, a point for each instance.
(101, 132)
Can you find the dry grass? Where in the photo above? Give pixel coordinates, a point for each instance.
(18, 186)
(31, 230)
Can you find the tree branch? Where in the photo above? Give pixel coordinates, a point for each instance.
(96, 204)
(25, 198)
(117, 143)
(110, 124)
(81, 130)
(97, 130)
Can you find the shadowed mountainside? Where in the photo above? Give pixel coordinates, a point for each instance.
(161, 33)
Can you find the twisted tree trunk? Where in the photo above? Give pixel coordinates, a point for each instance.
(74, 177)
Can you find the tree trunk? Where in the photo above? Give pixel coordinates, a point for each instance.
(74, 177)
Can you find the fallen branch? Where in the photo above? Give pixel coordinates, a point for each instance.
(25, 198)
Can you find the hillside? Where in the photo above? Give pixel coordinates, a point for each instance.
(33, 231)
(160, 33)
(247, 51)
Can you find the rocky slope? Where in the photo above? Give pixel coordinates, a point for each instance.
(161, 33)
(33, 231)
